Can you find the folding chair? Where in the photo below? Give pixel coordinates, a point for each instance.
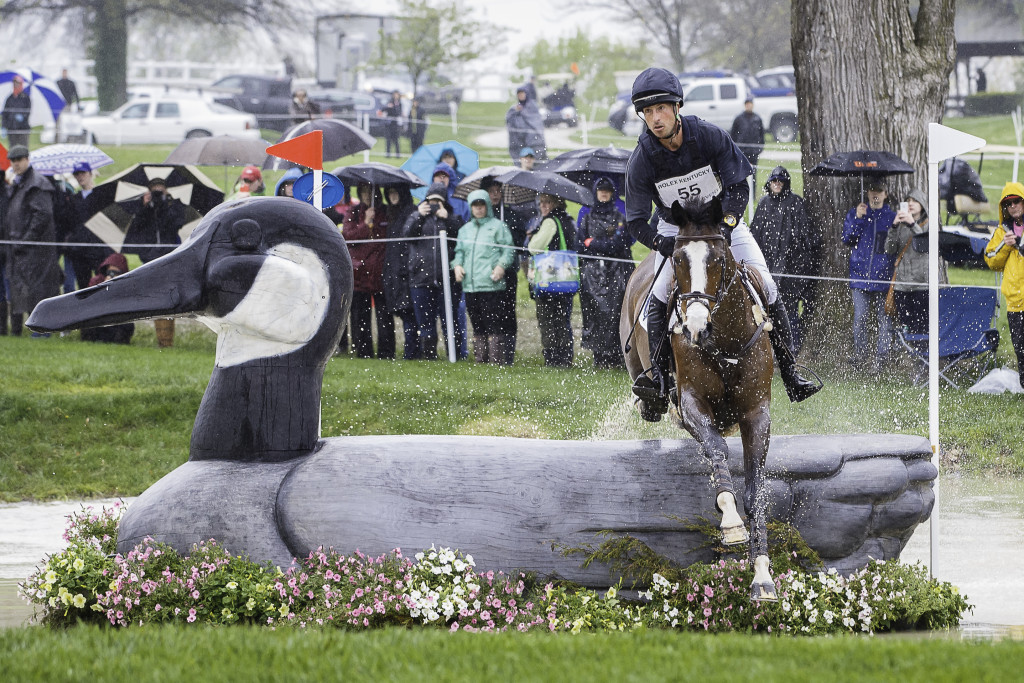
(966, 330)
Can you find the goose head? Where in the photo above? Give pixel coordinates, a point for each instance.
(273, 278)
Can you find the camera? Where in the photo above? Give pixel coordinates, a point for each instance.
(433, 208)
(905, 207)
(156, 195)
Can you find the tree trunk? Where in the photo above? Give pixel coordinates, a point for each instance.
(868, 76)
(110, 52)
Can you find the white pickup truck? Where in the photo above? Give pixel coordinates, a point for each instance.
(719, 100)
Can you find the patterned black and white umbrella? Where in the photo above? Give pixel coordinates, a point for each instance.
(120, 197)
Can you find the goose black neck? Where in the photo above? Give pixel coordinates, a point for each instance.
(266, 410)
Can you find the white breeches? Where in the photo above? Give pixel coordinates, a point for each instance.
(744, 248)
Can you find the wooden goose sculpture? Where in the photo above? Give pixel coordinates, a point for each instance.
(272, 276)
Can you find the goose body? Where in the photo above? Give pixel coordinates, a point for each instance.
(273, 278)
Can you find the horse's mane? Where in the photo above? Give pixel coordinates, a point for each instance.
(697, 212)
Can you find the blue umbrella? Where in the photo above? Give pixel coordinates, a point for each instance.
(423, 161)
(47, 102)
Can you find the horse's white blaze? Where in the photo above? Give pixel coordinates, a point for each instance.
(697, 312)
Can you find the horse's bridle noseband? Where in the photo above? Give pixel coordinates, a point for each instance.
(723, 287)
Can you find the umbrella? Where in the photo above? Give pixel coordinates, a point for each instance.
(376, 173)
(548, 183)
(220, 150)
(424, 159)
(341, 138)
(62, 158)
(860, 163)
(585, 165)
(510, 194)
(187, 183)
(47, 102)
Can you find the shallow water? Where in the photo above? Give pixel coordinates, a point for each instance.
(981, 551)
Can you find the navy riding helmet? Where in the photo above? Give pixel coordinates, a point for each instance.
(656, 85)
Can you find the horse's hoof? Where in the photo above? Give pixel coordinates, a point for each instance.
(646, 412)
(735, 535)
(763, 592)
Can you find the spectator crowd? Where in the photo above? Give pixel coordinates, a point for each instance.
(401, 267)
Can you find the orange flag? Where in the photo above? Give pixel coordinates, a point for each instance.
(307, 150)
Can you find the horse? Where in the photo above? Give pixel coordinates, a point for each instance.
(723, 366)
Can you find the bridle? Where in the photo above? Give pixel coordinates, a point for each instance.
(715, 301)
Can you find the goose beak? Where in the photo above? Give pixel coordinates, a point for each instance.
(170, 285)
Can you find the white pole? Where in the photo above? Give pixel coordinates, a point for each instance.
(453, 109)
(366, 127)
(442, 238)
(1018, 131)
(318, 189)
(933, 353)
(943, 143)
(583, 129)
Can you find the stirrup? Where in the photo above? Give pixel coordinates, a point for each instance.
(802, 388)
(648, 391)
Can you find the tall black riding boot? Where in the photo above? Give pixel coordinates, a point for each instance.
(797, 388)
(653, 389)
(3, 317)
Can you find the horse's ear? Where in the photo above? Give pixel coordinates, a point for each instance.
(680, 216)
(715, 212)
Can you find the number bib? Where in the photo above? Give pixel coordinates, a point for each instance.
(701, 184)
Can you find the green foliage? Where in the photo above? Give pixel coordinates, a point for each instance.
(748, 35)
(433, 36)
(991, 103)
(598, 58)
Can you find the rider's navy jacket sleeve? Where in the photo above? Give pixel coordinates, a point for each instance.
(703, 144)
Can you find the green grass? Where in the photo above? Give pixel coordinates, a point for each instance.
(245, 654)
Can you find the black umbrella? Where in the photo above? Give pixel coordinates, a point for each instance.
(548, 183)
(341, 138)
(860, 163)
(585, 165)
(377, 173)
(118, 197)
(510, 194)
(219, 150)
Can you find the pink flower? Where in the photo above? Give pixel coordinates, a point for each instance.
(708, 592)
(157, 607)
(707, 611)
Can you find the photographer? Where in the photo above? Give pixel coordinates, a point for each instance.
(432, 216)
(1006, 253)
(910, 279)
(157, 220)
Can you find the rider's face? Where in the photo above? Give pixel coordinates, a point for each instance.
(660, 118)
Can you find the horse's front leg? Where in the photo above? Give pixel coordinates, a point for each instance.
(696, 416)
(755, 429)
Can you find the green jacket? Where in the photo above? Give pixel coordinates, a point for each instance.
(483, 243)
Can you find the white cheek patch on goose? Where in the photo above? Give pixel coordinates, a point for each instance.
(697, 311)
(283, 309)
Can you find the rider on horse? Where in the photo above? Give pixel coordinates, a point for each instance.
(679, 158)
